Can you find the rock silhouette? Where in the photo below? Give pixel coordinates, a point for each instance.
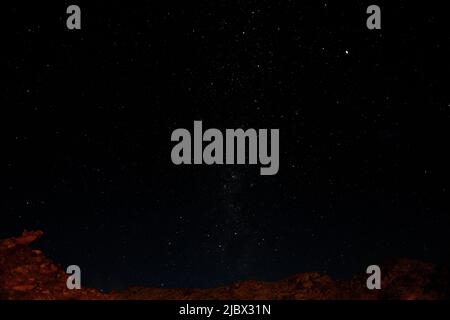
(26, 274)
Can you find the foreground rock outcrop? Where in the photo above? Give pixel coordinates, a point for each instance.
(26, 273)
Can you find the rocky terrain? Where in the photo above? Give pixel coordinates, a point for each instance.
(26, 273)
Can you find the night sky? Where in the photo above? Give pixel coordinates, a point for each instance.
(364, 120)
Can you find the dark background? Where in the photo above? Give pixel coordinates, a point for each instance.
(86, 119)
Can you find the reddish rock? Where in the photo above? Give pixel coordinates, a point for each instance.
(23, 287)
(26, 273)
